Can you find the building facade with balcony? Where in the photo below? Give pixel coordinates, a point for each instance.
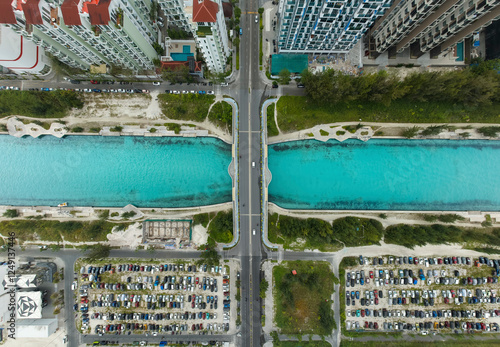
(325, 26)
(204, 19)
(431, 25)
(82, 33)
(179, 13)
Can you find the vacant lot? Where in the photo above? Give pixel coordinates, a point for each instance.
(302, 301)
(193, 107)
(299, 112)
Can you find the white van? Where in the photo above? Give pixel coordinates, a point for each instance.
(253, 165)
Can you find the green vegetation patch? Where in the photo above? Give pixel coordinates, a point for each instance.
(402, 343)
(420, 235)
(272, 129)
(302, 301)
(299, 112)
(48, 230)
(301, 344)
(354, 231)
(193, 107)
(221, 114)
(55, 104)
(317, 233)
(221, 227)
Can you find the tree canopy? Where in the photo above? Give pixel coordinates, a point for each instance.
(479, 84)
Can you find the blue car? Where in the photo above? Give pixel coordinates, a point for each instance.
(202, 92)
(362, 282)
(357, 295)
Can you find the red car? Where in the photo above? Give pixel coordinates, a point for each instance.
(415, 261)
(204, 315)
(375, 326)
(362, 313)
(440, 261)
(94, 82)
(376, 301)
(192, 304)
(371, 274)
(197, 280)
(366, 325)
(193, 328)
(161, 268)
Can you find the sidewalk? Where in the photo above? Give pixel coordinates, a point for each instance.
(268, 35)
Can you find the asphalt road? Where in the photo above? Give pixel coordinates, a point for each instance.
(249, 89)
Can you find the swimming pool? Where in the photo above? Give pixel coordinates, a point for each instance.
(114, 171)
(386, 174)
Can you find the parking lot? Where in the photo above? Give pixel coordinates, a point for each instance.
(448, 294)
(152, 298)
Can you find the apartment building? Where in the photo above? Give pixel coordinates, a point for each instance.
(179, 13)
(205, 20)
(433, 26)
(82, 33)
(325, 26)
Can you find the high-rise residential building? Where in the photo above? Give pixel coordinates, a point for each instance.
(430, 25)
(205, 20)
(324, 26)
(179, 13)
(81, 33)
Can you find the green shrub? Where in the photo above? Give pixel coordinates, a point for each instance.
(95, 130)
(221, 114)
(354, 231)
(450, 218)
(152, 130)
(411, 132)
(272, 129)
(433, 130)
(116, 129)
(77, 130)
(11, 214)
(55, 104)
(221, 227)
(173, 127)
(128, 214)
(193, 107)
(202, 218)
(491, 131)
(323, 132)
(104, 214)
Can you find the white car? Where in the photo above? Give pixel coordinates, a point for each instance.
(156, 83)
(193, 92)
(73, 285)
(210, 92)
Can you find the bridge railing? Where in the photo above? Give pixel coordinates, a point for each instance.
(236, 180)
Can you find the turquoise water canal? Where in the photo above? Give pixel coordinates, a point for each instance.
(114, 171)
(386, 174)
